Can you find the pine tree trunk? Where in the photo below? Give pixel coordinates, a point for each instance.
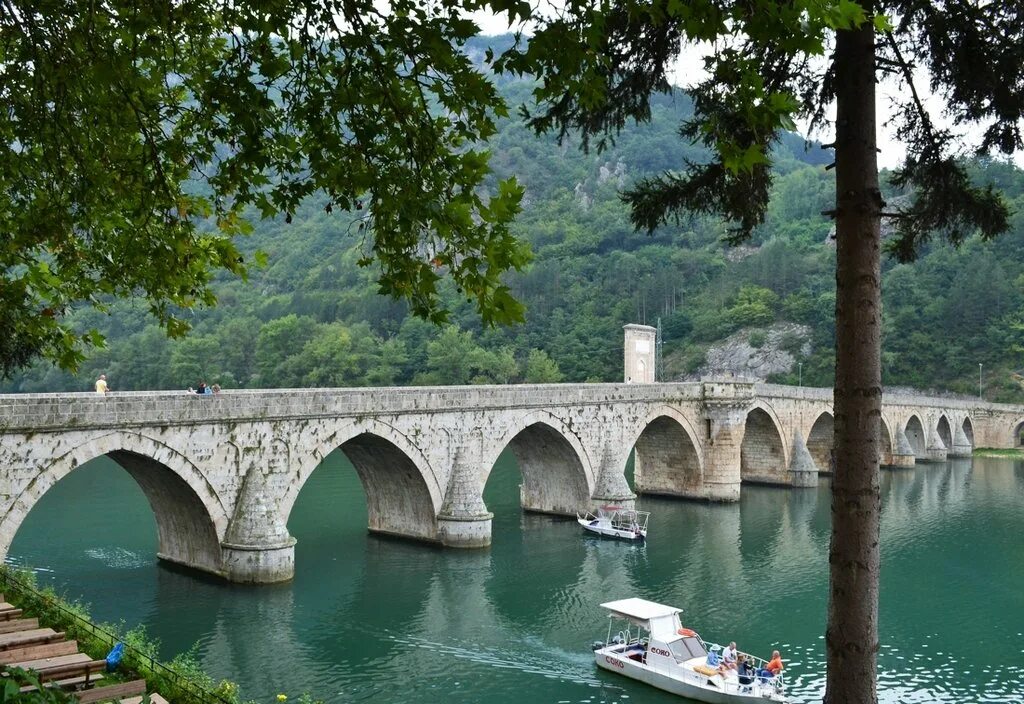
(851, 637)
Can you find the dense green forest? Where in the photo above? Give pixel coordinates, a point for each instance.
(312, 317)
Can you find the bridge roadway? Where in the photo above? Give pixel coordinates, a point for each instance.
(223, 472)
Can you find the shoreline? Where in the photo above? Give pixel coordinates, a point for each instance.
(1015, 453)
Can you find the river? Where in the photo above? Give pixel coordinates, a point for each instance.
(383, 620)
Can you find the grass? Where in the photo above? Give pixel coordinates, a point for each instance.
(1015, 453)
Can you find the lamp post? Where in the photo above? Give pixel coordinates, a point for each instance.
(800, 378)
(979, 381)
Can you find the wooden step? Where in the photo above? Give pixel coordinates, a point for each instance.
(19, 624)
(34, 652)
(115, 691)
(154, 698)
(43, 664)
(69, 683)
(26, 638)
(77, 669)
(8, 615)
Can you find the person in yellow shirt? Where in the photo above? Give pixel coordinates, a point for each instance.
(101, 385)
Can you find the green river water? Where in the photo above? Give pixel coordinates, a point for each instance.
(380, 620)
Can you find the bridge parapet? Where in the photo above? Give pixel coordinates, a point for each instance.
(43, 412)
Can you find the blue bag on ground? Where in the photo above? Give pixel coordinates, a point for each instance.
(114, 657)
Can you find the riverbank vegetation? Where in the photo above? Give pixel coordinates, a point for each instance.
(313, 317)
(1013, 454)
(180, 680)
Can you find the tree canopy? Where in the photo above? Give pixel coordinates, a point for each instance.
(137, 138)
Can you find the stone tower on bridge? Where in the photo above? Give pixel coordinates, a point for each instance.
(640, 358)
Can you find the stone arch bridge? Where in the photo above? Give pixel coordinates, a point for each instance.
(223, 472)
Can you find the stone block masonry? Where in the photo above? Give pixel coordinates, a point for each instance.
(223, 472)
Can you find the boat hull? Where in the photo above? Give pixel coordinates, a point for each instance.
(607, 532)
(684, 683)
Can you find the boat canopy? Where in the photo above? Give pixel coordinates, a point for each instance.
(639, 609)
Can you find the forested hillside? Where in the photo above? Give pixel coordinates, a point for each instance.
(312, 316)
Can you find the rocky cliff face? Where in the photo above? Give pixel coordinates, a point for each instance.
(757, 352)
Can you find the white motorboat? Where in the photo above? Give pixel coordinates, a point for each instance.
(653, 647)
(615, 522)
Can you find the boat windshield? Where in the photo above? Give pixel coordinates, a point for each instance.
(686, 648)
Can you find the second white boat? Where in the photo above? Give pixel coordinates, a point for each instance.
(615, 522)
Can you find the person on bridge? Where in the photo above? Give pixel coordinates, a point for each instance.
(101, 385)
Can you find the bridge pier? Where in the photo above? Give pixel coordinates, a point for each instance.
(961, 444)
(801, 467)
(936, 450)
(258, 564)
(612, 487)
(464, 531)
(257, 548)
(903, 456)
(725, 416)
(464, 521)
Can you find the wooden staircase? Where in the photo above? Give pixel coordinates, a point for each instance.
(59, 663)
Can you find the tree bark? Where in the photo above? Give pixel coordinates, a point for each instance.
(851, 636)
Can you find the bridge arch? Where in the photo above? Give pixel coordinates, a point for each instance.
(821, 441)
(667, 456)
(944, 431)
(914, 431)
(764, 456)
(558, 476)
(403, 495)
(191, 520)
(885, 442)
(968, 428)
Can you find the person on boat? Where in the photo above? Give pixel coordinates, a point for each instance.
(774, 665)
(729, 656)
(744, 671)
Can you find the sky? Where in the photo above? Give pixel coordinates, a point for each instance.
(689, 69)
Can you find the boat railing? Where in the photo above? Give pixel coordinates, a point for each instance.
(759, 665)
(730, 687)
(630, 520)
